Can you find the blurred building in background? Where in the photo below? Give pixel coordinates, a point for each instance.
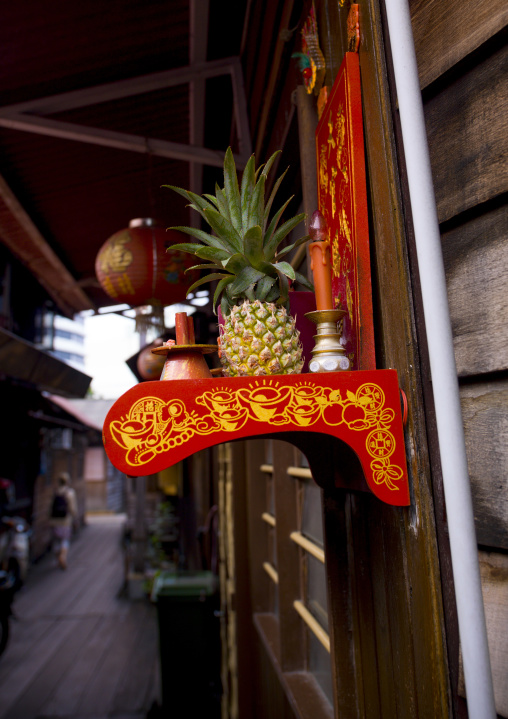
(63, 338)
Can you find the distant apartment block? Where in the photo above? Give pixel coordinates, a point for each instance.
(63, 338)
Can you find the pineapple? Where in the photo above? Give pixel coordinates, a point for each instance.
(258, 336)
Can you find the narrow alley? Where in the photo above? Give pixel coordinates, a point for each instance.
(79, 648)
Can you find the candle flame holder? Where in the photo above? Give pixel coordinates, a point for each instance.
(184, 359)
(328, 355)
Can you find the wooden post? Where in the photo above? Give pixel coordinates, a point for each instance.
(307, 123)
(140, 526)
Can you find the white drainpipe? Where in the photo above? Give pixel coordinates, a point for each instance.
(457, 490)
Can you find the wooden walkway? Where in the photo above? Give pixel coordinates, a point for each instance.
(78, 649)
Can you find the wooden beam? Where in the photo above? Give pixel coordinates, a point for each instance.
(198, 41)
(20, 235)
(118, 140)
(123, 88)
(275, 67)
(30, 116)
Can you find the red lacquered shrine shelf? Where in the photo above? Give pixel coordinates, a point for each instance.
(328, 415)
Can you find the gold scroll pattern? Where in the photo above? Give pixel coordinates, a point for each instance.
(334, 184)
(154, 426)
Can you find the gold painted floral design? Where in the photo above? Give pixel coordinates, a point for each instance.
(154, 426)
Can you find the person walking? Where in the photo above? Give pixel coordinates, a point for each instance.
(64, 512)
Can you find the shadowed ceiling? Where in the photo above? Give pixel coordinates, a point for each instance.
(101, 104)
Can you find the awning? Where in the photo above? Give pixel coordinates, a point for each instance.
(68, 406)
(21, 360)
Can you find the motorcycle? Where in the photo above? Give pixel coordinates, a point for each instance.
(7, 589)
(14, 558)
(15, 548)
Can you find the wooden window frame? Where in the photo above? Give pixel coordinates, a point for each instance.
(283, 635)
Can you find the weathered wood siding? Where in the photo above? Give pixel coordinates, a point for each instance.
(476, 261)
(466, 125)
(385, 611)
(446, 33)
(463, 61)
(484, 407)
(391, 607)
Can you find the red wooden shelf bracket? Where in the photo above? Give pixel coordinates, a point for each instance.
(346, 421)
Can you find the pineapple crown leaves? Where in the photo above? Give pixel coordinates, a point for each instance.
(242, 253)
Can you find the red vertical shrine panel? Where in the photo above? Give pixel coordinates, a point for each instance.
(342, 194)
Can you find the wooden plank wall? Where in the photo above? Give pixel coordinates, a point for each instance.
(386, 560)
(389, 577)
(463, 60)
(387, 633)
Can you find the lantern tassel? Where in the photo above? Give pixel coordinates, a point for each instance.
(150, 317)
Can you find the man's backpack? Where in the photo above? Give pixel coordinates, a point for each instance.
(60, 506)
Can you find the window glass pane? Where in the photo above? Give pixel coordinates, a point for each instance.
(316, 590)
(274, 598)
(312, 519)
(270, 503)
(319, 659)
(273, 595)
(268, 451)
(272, 548)
(320, 666)
(304, 462)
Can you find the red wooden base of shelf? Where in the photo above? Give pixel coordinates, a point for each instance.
(337, 418)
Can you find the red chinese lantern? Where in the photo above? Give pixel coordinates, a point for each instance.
(134, 267)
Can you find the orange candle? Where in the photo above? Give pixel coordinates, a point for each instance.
(320, 265)
(320, 262)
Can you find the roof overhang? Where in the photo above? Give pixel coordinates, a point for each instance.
(68, 406)
(21, 236)
(21, 360)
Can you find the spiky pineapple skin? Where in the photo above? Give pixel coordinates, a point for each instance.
(260, 338)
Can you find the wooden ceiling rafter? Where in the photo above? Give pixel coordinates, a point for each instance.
(21, 236)
(32, 116)
(18, 231)
(198, 45)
